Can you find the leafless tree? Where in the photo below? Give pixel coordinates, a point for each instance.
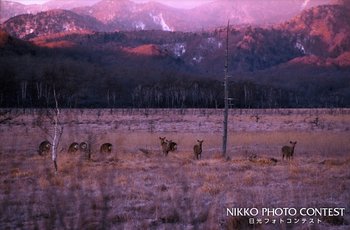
(58, 130)
(226, 99)
(55, 134)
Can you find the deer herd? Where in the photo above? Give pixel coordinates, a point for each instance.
(166, 147)
(45, 147)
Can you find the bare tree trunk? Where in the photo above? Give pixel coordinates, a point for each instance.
(24, 85)
(108, 98)
(245, 95)
(39, 89)
(224, 138)
(57, 132)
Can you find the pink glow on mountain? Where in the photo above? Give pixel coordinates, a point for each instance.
(173, 3)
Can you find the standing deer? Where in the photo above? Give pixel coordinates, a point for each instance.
(74, 147)
(106, 148)
(164, 145)
(197, 149)
(288, 151)
(44, 148)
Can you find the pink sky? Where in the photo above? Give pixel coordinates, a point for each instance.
(174, 3)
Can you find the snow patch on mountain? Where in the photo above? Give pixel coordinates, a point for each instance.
(300, 47)
(180, 49)
(197, 58)
(158, 19)
(305, 3)
(29, 30)
(139, 25)
(69, 27)
(213, 42)
(176, 49)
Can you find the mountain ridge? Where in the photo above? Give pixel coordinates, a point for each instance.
(127, 15)
(321, 31)
(28, 26)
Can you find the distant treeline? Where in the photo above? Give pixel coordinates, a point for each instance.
(75, 92)
(87, 87)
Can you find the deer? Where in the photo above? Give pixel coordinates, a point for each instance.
(84, 148)
(165, 145)
(44, 148)
(197, 149)
(73, 148)
(288, 151)
(106, 148)
(172, 145)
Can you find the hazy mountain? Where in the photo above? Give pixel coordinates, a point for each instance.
(68, 4)
(265, 12)
(127, 15)
(9, 9)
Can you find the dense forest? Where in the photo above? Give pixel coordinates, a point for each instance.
(28, 80)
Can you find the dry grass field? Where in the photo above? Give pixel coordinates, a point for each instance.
(136, 187)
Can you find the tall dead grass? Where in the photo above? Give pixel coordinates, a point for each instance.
(136, 187)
